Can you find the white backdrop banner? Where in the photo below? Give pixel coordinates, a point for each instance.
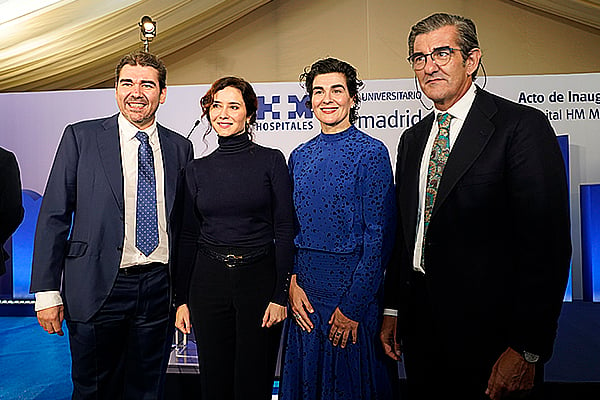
(32, 123)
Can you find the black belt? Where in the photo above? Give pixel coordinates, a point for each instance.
(235, 257)
(140, 269)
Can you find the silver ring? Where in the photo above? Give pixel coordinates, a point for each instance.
(297, 316)
(337, 333)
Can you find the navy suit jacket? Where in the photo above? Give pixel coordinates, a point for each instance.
(498, 248)
(80, 229)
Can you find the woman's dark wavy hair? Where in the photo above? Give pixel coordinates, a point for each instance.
(248, 94)
(329, 65)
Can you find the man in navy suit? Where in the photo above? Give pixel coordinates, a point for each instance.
(483, 246)
(103, 236)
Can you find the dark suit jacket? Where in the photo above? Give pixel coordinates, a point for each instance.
(11, 203)
(497, 250)
(80, 229)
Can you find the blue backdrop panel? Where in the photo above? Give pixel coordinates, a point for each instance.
(563, 142)
(590, 240)
(22, 251)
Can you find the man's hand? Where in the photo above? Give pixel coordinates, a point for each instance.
(511, 374)
(388, 337)
(51, 319)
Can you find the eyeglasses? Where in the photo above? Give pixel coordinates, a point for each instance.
(440, 56)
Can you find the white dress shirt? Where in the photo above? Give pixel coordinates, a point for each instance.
(129, 160)
(459, 111)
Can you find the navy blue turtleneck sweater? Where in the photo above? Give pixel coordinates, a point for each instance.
(238, 196)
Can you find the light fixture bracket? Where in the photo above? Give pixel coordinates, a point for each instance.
(147, 31)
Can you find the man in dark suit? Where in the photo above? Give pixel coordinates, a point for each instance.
(102, 241)
(11, 202)
(483, 245)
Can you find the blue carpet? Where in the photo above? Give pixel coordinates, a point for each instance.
(34, 364)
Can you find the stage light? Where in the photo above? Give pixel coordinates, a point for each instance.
(147, 31)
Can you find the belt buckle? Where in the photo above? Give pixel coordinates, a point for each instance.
(230, 260)
(133, 270)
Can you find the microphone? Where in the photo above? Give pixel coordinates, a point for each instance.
(421, 97)
(193, 127)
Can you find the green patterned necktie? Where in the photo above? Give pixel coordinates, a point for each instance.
(437, 162)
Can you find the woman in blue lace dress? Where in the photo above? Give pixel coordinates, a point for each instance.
(344, 202)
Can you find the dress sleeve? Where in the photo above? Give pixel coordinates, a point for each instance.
(186, 232)
(391, 300)
(283, 226)
(378, 211)
(291, 163)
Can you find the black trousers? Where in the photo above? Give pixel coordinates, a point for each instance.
(237, 356)
(122, 352)
(436, 367)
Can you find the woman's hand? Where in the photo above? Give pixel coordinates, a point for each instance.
(274, 314)
(342, 328)
(182, 319)
(300, 306)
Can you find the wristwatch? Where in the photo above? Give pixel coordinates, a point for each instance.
(530, 357)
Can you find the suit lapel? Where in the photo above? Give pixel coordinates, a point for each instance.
(110, 155)
(472, 139)
(170, 165)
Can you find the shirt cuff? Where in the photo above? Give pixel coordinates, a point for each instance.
(50, 298)
(389, 312)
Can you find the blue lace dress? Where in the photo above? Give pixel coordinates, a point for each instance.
(344, 201)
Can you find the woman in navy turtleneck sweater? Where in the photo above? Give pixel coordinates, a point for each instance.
(235, 249)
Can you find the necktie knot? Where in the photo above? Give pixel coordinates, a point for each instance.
(443, 120)
(142, 137)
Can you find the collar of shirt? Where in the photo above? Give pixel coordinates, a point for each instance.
(459, 111)
(127, 130)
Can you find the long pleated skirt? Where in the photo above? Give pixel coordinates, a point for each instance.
(315, 369)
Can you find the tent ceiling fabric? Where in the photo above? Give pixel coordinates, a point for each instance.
(74, 44)
(586, 12)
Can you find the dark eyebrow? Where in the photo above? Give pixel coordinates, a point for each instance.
(129, 80)
(419, 53)
(228, 102)
(339, 85)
